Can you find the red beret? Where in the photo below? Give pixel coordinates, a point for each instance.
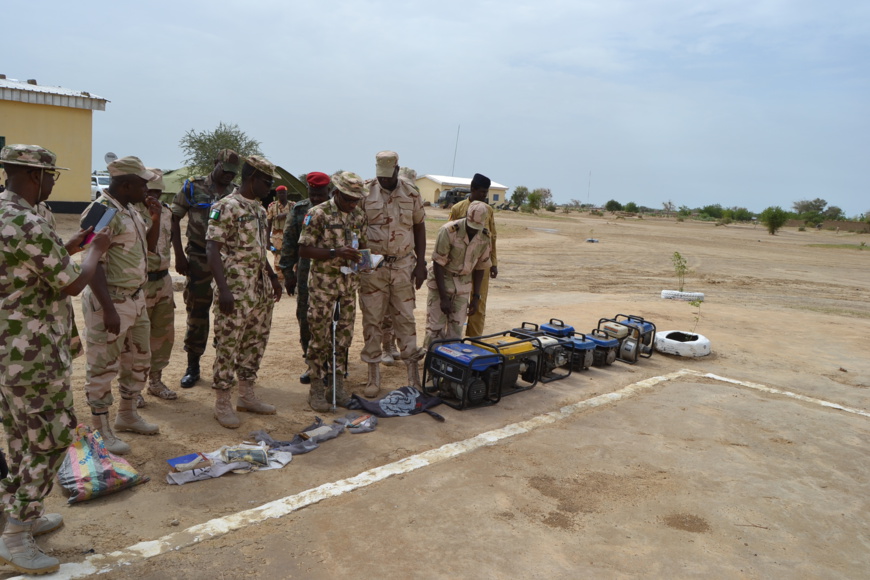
(317, 179)
(281, 188)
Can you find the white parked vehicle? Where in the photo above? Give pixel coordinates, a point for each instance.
(99, 182)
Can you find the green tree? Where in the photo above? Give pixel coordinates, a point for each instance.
(546, 196)
(613, 205)
(834, 213)
(201, 148)
(685, 211)
(631, 206)
(806, 206)
(774, 218)
(520, 194)
(534, 200)
(741, 214)
(714, 211)
(668, 206)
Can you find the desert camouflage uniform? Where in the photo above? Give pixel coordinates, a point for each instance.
(198, 292)
(277, 233)
(240, 338)
(127, 354)
(35, 361)
(460, 258)
(326, 226)
(159, 296)
(477, 320)
(389, 291)
(289, 258)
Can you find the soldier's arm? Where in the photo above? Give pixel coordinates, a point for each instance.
(181, 265)
(100, 288)
(476, 281)
(420, 250)
(154, 210)
(226, 302)
(96, 248)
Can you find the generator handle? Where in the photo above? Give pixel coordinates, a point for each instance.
(579, 334)
(531, 324)
(556, 321)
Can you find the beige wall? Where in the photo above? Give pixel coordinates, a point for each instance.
(431, 191)
(62, 130)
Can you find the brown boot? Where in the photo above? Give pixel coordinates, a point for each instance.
(316, 396)
(373, 386)
(342, 397)
(223, 409)
(128, 419)
(19, 550)
(249, 402)
(110, 440)
(158, 388)
(413, 373)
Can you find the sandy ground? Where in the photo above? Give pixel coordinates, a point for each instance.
(691, 477)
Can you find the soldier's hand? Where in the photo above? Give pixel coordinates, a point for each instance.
(276, 289)
(181, 264)
(111, 320)
(348, 253)
(290, 282)
(153, 208)
(101, 240)
(74, 244)
(446, 306)
(472, 306)
(420, 274)
(226, 302)
(493, 272)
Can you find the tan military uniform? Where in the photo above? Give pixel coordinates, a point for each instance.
(277, 233)
(127, 354)
(477, 320)
(241, 338)
(460, 258)
(159, 296)
(390, 289)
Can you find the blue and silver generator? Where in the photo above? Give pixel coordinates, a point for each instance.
(463, 375)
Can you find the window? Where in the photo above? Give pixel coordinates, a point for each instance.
(495, 197)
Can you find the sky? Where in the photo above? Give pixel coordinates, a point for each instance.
(747, 103)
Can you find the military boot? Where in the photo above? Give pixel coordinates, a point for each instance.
(46, 523)
(128, 419)
(158, 388)
(373, 386)
(19, 550)
(249, 402)
(305, 378)
(317, 396)
(342, 397)
(413, 374)
(110, 440)
(223, 409)
(191, 375)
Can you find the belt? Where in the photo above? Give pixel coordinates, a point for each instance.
(158, 275)
(394, 259)
(117, 292)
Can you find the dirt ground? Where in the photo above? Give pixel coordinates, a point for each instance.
(690, 477)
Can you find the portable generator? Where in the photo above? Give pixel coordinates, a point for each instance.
(635, 336)
(605, 347)
(582, 349)
(523, 356)
(556, 351)
(463, 375)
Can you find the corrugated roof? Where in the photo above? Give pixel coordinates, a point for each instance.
(458, 181)
(25, 92)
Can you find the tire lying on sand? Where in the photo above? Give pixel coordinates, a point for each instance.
(687, 296)
(682, 343)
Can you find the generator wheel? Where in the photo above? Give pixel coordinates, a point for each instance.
(687, 296)
(682, 343)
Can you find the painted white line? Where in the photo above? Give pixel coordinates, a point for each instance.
(102, 563)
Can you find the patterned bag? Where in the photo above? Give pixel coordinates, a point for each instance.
(90, 471)
(402, 402)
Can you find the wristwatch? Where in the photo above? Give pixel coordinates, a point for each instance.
(475, 296)
(331, 252)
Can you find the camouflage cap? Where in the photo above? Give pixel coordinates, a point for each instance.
(350, 184)
(262, 165)
(476, 216)
(130, 165)
(29, 156)
(157, 182)
(230, 161)
(386, 163)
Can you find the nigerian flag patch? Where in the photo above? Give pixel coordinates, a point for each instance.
(214, 214)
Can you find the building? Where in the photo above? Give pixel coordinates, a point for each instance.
(431, 187)
(60, 120)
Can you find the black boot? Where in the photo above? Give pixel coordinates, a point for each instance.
(191, 375)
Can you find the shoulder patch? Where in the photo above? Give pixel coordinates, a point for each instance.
(214, 214)
(307, 219)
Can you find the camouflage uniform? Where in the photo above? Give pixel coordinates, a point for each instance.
(389, 291)
(289, 258)
(159, 295)
(326, 226)
(198, 292)
(460, 258)
(127, 354)
(477, 320)
(277, 234)
(35, 361)
(240, 339)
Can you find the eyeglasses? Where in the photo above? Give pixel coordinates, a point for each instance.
(267, 180)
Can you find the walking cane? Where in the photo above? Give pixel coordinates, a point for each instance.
(336, 313)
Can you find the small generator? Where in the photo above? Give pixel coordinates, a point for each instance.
(523, 357)
(556, 351)
(635, 335)
(463, 375)
(582, 349)
(605, 347)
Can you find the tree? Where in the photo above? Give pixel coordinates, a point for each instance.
(834, 213)
(631, 206)
(202, 148)
(668, 206)
(520, 194)
(805, 206)
(613, 206)
(714, 211)
(546, 195)
(534, 200)
(774, 218)
(741, 214)
(685, 211)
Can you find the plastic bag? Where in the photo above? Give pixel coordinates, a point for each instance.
(90, 471)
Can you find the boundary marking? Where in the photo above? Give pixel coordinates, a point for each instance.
(102, 563)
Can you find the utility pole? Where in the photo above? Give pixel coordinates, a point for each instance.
(455, 149)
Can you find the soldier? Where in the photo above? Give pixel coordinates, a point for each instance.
(37, 277)
(195, 200)
(159, 295)
(327, 239)
(118, 330)
(276, 219)
(246, 290)
(396, 230)
(479, 192)
(459, 259)
(296, 268)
